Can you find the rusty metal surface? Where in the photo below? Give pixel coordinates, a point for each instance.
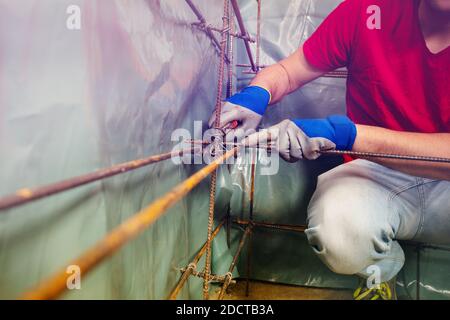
(26, 195)
(193, 265)
(55, 285)
(229, 275)
(218, 108)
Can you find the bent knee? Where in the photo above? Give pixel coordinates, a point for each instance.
(344, 233)
(339, 249)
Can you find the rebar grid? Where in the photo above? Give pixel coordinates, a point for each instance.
(188, 271)
(229, 274)
(128, 230)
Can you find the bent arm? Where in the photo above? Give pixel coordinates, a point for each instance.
(380, 140)
(286, 76)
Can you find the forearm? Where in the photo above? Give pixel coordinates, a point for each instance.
(286, 76)
(275, 79)
(375, 139)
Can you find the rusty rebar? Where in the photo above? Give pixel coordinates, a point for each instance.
(192, 265)
(385, 156)
(343, 152)
(252, 197)
(204, 27)
(207, 30)
(283, 227)
(26, 195)
(218, 109)
(258, 35)
(229, 274)
(244, 32)
(128, 230)
(254, 157)
(230, 53)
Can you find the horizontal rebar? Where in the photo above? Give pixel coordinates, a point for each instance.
(128, 230)
(340, 153)
(386, 155)
(204, 27)
(285, 227)
(212, 277)
(302, 228)
(26, 195)
(189, 270)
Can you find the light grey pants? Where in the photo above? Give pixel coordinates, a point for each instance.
(361, 208)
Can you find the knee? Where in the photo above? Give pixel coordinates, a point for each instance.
(337, 249)
(340, 231)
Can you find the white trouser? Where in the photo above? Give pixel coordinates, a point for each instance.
(361, 208)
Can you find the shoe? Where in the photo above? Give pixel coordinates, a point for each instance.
(385, 291)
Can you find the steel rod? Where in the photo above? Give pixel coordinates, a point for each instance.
(418, 248)
(190, 268)
(216, 29)
(27, 195)
(249, 242)
(218, 109)
(284, 227)
(245, 65)
(208, 31)
(244, 32)
(233, 263)
(132, 227)
(387, 156)
(350, 153)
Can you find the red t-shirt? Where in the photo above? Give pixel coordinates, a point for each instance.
(394, 80)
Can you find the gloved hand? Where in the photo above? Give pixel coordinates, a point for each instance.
(306, 138)
(246, 108)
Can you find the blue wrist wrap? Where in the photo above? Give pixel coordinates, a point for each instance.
(254, 98)
(338, 129)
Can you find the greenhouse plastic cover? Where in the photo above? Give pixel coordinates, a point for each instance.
(73, 101)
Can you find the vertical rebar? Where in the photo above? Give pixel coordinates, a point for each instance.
(212, 194)
(203, 23)
(244, 33)
(254, 158)
(258, 36)
(230, 52)
(252, 197)
(418, 248)
(229, 275)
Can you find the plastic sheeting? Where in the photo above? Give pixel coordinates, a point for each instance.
(72, 101)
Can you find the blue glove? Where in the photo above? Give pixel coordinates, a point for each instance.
(337, 128)
(245, 109)
(298, 139)
(254, 98)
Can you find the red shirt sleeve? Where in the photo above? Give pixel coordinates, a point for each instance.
(330, 46)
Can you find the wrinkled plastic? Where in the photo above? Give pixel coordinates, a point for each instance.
(72, 101)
